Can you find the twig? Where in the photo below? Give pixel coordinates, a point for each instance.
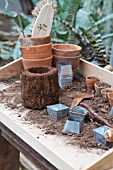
(19, 32)
(20, 23)
(95, 114)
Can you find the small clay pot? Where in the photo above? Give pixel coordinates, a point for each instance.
(27, 63)
(66, 50)
(108, 67)
(90, 80)
(104, 92)
(99, 86)
(109, 135)
(110, 98)
(40, 49)
(29, 41)
(74, 61)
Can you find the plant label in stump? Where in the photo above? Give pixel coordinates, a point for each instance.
(43, 23)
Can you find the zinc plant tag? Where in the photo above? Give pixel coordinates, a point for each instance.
(43, 23)
(99, 136)
(73, 124)
(57, 111)
(65, 74)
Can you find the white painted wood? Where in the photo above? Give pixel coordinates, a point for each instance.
(43, 23)
(12, 69)
(34, 143)
(105, 162)
(86, 68)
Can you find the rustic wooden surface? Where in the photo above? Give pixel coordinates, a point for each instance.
(9, 156)
(105, 162)
(12, 69)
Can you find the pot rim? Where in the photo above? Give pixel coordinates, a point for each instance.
(109, 94)
(38, 46)
(77, 48)
(101, 82)
(66, 57)
(33, 38)
(108, 88)
(92, 76)
(50, 70)
(37, 59)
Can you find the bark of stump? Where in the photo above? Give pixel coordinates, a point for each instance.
(9, 156)
(39, 87)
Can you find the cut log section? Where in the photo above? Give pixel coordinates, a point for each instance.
(39, 87)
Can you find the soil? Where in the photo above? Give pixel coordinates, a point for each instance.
(11, 98)
(103, 85)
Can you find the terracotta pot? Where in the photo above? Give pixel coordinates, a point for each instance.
(40, 49)
(74, 61)
(36, 56)
(109, 135)
(66, 50)
(104, 92)
(99, 86)
(108, 67)
(110, 98)
(90, 80)
(34, 63)
(29, 41)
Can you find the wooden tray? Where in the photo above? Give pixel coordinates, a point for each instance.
(51, 151)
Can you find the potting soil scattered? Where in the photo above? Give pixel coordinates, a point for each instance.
(11, 98)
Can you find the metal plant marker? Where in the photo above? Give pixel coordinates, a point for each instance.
(79, 111)
(65, 74)
(111, 111)
(57, 111)
(73, 124)
(99, 136)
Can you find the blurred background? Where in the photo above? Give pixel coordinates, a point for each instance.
(88, 23)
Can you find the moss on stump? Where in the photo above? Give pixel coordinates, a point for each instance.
(39, 87)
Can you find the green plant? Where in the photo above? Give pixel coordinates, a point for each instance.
(6, 51)
(79, 22)
(75, 23)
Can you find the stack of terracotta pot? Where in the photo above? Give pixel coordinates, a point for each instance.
(36, 51)
(66, 53)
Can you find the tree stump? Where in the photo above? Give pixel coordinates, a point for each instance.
(39, 87)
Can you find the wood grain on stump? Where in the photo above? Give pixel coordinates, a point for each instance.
(39, 87)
